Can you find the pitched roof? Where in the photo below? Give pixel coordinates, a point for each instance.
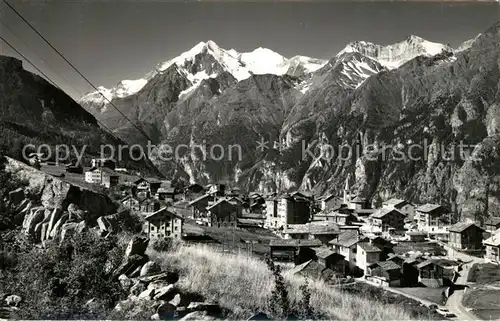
(167, 190)
(202, 197)
(310, 268)
(461, 226)
(218, 203)
(294, 243)
(494, 240)
(358, 199)
(495, 221)
(427, 208)
(162, 213)
(109, 171)
(395, 202)
(348, 238)
(316, 228)
(323, 253)
(388, 265)
(368, 247)
(382, 212)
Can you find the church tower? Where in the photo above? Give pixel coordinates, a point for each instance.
(347, 193)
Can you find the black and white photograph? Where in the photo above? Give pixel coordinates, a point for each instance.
(250, 160)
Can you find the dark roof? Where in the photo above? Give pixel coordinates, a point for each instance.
(310, 268)
(388, 265)
(368, 247)
(109, 171)
(461, 226)
(381, 212)
(348, 238)
(294, 243)
(427, 208)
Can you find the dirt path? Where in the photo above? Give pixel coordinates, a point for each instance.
(454, 302)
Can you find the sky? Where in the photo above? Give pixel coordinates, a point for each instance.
(112, 40)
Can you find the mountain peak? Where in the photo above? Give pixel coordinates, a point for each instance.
(394, 55)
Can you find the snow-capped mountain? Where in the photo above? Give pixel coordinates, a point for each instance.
(239, 65)
(395, 55)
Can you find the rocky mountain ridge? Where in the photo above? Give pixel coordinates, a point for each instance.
(412, 92)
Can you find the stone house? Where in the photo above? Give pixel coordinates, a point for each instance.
(403, 206)
(388, 220)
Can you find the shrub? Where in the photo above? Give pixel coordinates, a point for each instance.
(162, 245)
(57, 282)
(279, 303)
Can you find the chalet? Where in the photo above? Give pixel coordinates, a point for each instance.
(199, 206)
(366, 255)
(330, 260)
(430, 274)
(103, 162)
(149, 205)
(416, 236)
(388, 271)
(323, 231)
(130, 202)
(147, 185)
(346, 245)
(193, 191)
(330, 202)
(403, 206)
(465, 236)
(336, 217)
(166, 193)
(311, 270)
(222, 214)
(432, 218)
(492, 224)
(163, 224)
(388, 219)
(102, 176)
(287, 250)
(492, 245)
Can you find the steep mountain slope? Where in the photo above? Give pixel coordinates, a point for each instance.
(391, 107)
(434, 103)
(32, 111)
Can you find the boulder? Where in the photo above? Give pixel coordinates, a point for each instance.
(137, 288)
(166, 293)
(196, 316)
(166, 311)
(75, 213)
(130, 264)
(56, 229)
(150, 268)
(211, 308)
(54, 217)
(70, 229)
(137, 245)
(112, 223)
(125, 282)
(169, 277)
(177, 300)
(147, 294)
(13, 300)
(155, 316)
(35, 216)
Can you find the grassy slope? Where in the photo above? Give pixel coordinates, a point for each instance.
(242, 284)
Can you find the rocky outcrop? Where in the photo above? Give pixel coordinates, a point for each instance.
(156, 290)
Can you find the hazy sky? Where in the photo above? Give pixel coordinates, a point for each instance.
(113, 40)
